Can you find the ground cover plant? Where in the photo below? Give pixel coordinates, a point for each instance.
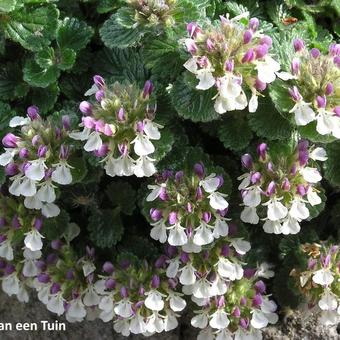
(163, 157)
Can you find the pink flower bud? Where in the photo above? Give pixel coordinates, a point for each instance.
(321, 101)
(121, 115)
(102, 151)
(236, 312)
(155, 214)
(248, 56)
(220, 302)
(110, 283)
(210, 45)
(336, 110)
(243, 301)
(271, 189)
(184, 257)
(262, 150)
(148, 88)
(65, 120)
(334, 50)
(255, 177)
(295, 94)
(260, 85)
(10, 140)
(140, 126)
(23, 153)
(336, 61)
(229, 65)
(108, 267)
(100, 94)
(247, 36)
(33, 112)
(107, 130)
(225, 250)
(257, 300)
(298, 45)
(124, 292)
(172, 218)
(301, 190)
(315, 53)
(261, 51)
(266, 40)
(247, 161)
(199, 170)
(206, 217)
(295, 66)
(260, 287)
(193, 29)
(11, 169)
(254, 24)
(329, 89)
(155, 282)
(244, 323)
(285, 184)
(42, 150)
(99, 81)
(86, 108)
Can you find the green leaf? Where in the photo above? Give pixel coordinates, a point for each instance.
(54, 228)
(44, 98)
(267, 122)
(316, 210)
(71, 232)
(309, 132)
(6, 113)
(122, 195)
(332, 165)
(164, 145)
(45, 58)
(196, 105)
(115, 35)
(121, 65)
(32, 27)
(234, 133)
(7, 5)
(11, 84)
(37, 76)
(279, 94)
(79, 170)
(73, 34)
(105, 227)
(67, 59)
(125, 17)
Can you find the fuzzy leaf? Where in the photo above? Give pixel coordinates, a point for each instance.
(7, 5)
(332, 165)
(122, 195)
(44, 98)
(54, 228)
(105, 227)
(67, 59)
(115, 35)
(37, 76)
(196, 105)
(32, 27)
(45, 58)
(73, 34)
(164, 145)
(234, 133)
(79, 170)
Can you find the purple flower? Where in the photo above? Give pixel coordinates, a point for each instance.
(285, 184)
(161, 261)
(236, 312)
(108, 267)
(148, 88)
(261, 51)
(244, 323)
(102, 151)
(311, 263)
(11, 169)
(10, 140)
(262, 150)
(110, 283)
(295, 94)
(254, 24)
(42, 151)
(315, 53)
(193, 29)
(229, 65)
(99, 81)
(298, 45)
(33, 112)
(329, 89)
(248, 56)
(301, 190)
(271, 189)
(172, 217)
(321, 101)
(260, 287)
(255, 177)
(247, 36)
(55, 288)
(124, 292)
(247, 161)
(23, 153)
(155, 282)
(86, 108)
(257, 300)
(43, 278)
(206, 216)
(225, 250)
(121, 115)
(100, 94)
(266, 40)
(199, 170)
(334, 49)
(249, 273)
(41, 265)
(155, 214)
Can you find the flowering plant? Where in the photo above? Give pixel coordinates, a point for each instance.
(129, 206)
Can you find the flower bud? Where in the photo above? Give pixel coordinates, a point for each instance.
(254, 24)
(244, 323)
(189, 207)
(225, 250)
(10, 140)
(108, 267)
(301, 190)
(140, 126)
(121, 115)
(179, 176)
(11, 169)
(329, 89)
(161, 261)
(336, 110)
(191, 46)
(100, 94)
(257, 300)
(266, 40)
(298, 45)
(220, 301)
(249, 272)
(285, 184)
(86, 108)
(262, 150)
(69, 274)
(248, 56)
(229, 65)
(15, 222)
(148, 88)
(315, 53)
(163, 195)
(260, 287)
(260, 85)
(42, 151)
(56, 244)
(243, 301)
(334, 50)
(261, 51)
(23, 153)
(295, 66)
(193, 29)
(172, 217)
(336, 61)
(236, 312)
(199, 194)
(184, 257)
(255, 177)
(124, 292)
(99, 81)
(43, 278)
(247, 161)
(55, 288)
(102, 151)
(38, 223)
(295, 94)
(210, 45)
(271, 189)
(312, 263)
(199, 170)
(206, 217)
(155, 282)
(33, 112)
(41, 265)
(3, 238)
(155, 214)
(110, 283)
(321, 101)
(247, 36)
(65, 120)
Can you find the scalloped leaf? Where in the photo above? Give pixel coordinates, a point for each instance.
(332, 164)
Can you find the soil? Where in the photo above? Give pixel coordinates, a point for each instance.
(291, 327)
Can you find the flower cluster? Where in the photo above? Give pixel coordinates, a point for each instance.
(319, 282)
(314, 88)
(233, 58)
(232, 299)
(280, 187)
(119, 128)
(36, 159)
(136, 300)
(154, 14)
(187, 210)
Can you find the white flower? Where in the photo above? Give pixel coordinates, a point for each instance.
(81, 135)
(191, 247)
(155, 191)
(311, 175)
(19, 121)
(33, 240)
(91, 298)
(88, 268)
(312, 197)
(259, 319)
(323, 277)
(252, 197)
(155, 323)
(191, 65)
(62, 174)
(276, 210)
(122, 166)
(217, 201)
(201, 288)
(229, 270)
(124, 308)
(172, 269)
(210, 183)
(6, 250)
(143, 145)
(328, 301)
(177, 304)
(177, 236)
(56, 304)
(249, 215)
(154, 300)
(241, 246)
(219, 319)
(221, 227)
(187, 276)
(50, 210)
(224, 334)
(22, 294)
(33, 202)
(298, 210)
(253, 103)
(10, 284)
(76, 309)
(329, 318)
(318, 154)
(170, 321)
(245, 181)
(137, 324)
(252, 334)
(223, 105)
(218, 287)
(303, 113)
(325, 122)
(94, 142)
(158, 232)
(266, 69)
(264, 270)
(27, 187)
(206, 334)
(290, 226)
(144, 167)
(46, 193)
(206, 79)
(151, 129)
(272, 227)
(122, 326)
(36, 170)
(203, 235)
(200, 320)
(7, 157)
